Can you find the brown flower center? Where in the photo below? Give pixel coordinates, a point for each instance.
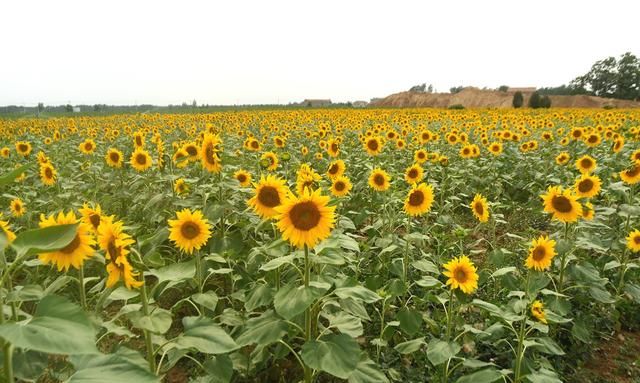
(72, 246)
(586, 163)
(413, 173)
(585, 185)
(305, 215)
(268, 196)
(416, 198)
(378, 179)
(48, 173)
(460, 275)
(562, 204)
(333, 169)
(539, 253)
(114, 157)
(95, 220)
(339, 186)
(633, 172)
(141, 159)
(372, 145)
(241, 178)
(190, 230)
(479, 208)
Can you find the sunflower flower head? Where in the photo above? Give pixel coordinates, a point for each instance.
(461, 274)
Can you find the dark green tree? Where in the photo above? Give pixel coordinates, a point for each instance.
(545, 102)
(518, 100)
(503, 88)
(534, 100)
(68, 108)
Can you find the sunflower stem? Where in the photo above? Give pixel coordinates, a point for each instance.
(623, 259)
(199, 281)
(521, 336)
(445, 367)
(147, 335)
(564, 257)
(83, 295)
(307, 313)
(7, 350)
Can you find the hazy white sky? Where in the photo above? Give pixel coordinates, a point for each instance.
(228, 52)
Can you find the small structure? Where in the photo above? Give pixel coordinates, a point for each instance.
(525, 89)
(316, 103)
(360, 104)
(76, 109)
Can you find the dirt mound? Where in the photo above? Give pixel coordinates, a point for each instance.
(478, 98)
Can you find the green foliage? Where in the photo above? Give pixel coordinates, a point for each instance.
(518, 100)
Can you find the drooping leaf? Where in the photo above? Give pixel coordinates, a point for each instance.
(335, 354)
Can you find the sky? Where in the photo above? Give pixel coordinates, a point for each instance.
(268, 52)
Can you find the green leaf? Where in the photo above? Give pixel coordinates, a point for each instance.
(123, 366)
(410, 320)
(292, 300)
(204, 335)
(357, 292)
(46, 239)
(548, 346)
(409, 346)
(264, 330)
(633, 291)
(275, 263)
(503, 271)
(175, 272)
(346, 323)
(57, 327)
(426, 266)
(158, 321)
(367, 372)
(261, 295)
(428, 281)
(601, 295)
(335, 354)
(487, 375)
(439, 351)
(219, 368)
(208, 300)
(12, 175)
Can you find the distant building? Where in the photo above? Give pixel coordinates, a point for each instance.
(76, 109)
(375, 99)
(529, 89)
(316, 103)
(359, 104)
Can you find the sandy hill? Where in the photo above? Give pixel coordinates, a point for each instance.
(478, 98)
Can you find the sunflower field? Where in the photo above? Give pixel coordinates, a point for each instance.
(318, 245)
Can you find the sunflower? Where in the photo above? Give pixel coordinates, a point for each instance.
(6, 229)
(631, 176)
(91, 215)
(480, 208)
(562, 158)
(243, 177)
(379, 180)
(336, 169)
(413, 174)
(593, 140)
(587, 186)
(270, 192)
(563, 204)
(114, 158)
(4, 152)
(495, 148)
(138, 140)
(112, 238)
(588, 212)
(462, 274)
(333, 147)
(633, 241)
(279, 141)
(190, 231)
(305, 220)
(181, 158)
(420, 156)
(419, 200)
(586, 164)
(635, 156)
(17, 207)
(42, 158)
(211, 146)
(192, 151)
(87, 146)
(77, 251)
(618, 143)
(537, 310)
(48, 174)
(373, 145)
(180, 187)
(541, 253)
(270, 161)
(341, 186)
(121, 269)
(140, 160)
(23, 148)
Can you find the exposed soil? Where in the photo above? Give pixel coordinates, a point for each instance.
(614, 360)
(478, 98)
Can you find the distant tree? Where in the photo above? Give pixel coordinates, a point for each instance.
(430, 88)
(40, 107)
(418, 88)
(534, 100)
(503, 88)
(612, 78)
(456, 89)
(194, 104)
(68, 108)
(518, 100)
(96, 108)
(545, 102)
